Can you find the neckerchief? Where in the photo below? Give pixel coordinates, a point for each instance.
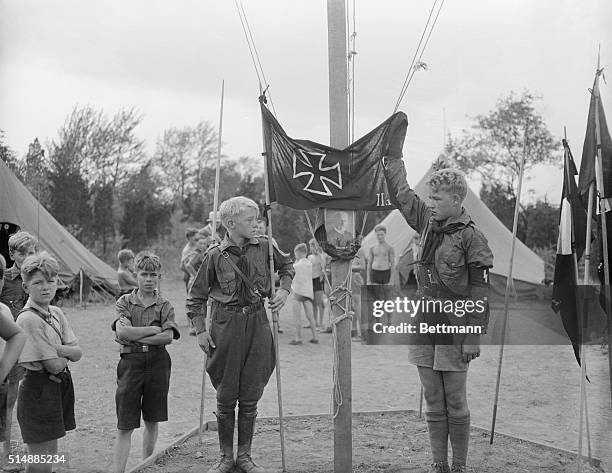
(244, 294)
(434, 238)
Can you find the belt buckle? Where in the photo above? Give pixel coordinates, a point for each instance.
(145, 348)
(245, 310)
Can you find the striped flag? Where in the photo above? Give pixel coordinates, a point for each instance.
(570, 246)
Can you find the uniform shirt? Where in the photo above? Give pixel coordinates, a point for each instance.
(42, 337)
(302, 282)
(217, 279)
(458, 250)
(132, 311)
(13, 294)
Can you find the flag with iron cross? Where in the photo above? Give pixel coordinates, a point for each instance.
(303, 174)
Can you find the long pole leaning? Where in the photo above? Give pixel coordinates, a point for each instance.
(580, 310)
(604, 224)
(214, 235)
(272, 295)
(508, 286)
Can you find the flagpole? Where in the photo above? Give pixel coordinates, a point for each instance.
(508, 285)
(273, 292)
(581, 309)
(340, 269)
(604, 224)
(214, 237)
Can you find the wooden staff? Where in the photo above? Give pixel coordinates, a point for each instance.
(580, 310)
(272, 295)
(213, 232)
(508, 285)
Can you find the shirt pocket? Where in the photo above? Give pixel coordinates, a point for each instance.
(451, 264)
(227, 281)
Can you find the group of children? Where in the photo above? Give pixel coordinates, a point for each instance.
(310, 285)
(227, 286)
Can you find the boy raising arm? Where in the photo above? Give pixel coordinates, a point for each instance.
(454, 265)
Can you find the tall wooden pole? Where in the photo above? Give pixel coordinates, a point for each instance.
(339, 136)
(214, 237)
(508, 285)
(272, 296)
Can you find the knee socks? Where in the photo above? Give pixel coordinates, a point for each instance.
(459, 431)
(438, 427)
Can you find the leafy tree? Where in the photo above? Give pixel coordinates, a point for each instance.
(35, 173)
(145, 217)
(182, 159)
(101, 152)
(541, 225)
(8, 155)
(493, 149)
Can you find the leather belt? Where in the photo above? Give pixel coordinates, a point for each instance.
(140, 348)
(247, 309)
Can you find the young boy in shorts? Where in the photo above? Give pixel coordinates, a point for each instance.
(45, 405)
(382, 259)
(15, 339)
(21, 245)
(125, 272)
(453, 266)
(302, 294)
(235, 275)
(143, 327)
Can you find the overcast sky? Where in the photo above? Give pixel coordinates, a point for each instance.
(168, 58)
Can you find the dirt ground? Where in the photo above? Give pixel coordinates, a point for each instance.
(381, 443)
(538, 400)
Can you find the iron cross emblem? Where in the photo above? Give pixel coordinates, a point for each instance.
(320, 175)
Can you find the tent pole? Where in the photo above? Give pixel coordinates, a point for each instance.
(81, 287)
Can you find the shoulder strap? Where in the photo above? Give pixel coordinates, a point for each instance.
(246, 281)
(37, 312)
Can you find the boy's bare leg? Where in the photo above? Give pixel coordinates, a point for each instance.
(309, 315)
(149, 438)
(11, 399)
(315, 308)
(297, 320)
(44, 448)
(123, 443)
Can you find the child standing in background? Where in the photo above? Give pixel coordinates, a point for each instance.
(302, 294)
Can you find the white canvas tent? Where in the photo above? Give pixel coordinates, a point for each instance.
(18, 207)
(528, 268)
